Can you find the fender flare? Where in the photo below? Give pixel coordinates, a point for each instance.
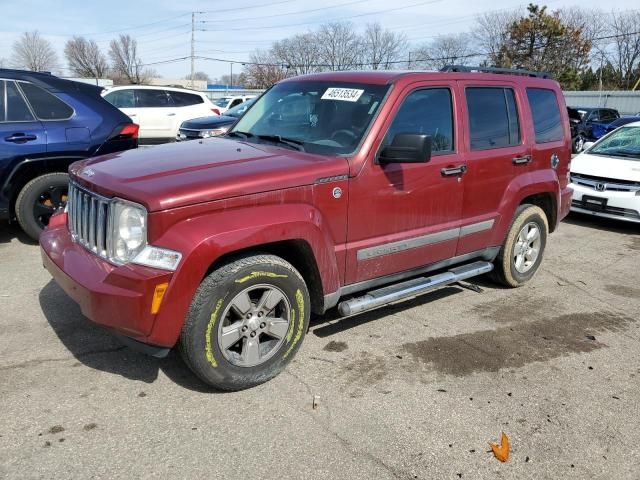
(205, 239)
(521, 187)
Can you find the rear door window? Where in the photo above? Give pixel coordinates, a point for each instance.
(493, 117)
(45, 105)
(546, 115)
(184, 99)
(427, 111)
(121, 98)
(16, 106)
(153, 99)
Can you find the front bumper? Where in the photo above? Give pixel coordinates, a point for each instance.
(609, 204)
(116, 297)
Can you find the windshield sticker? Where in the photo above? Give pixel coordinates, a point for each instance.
(342, 94)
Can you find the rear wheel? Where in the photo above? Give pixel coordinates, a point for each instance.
(522, 252)
(39, 199)
(247, 321)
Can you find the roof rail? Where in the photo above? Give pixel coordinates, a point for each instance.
(506, 71)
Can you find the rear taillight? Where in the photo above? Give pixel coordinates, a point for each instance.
(129, 130)
(216, 111)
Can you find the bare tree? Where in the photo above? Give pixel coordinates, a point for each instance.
(382, 48)
(199, 76)
(126, 66)
(623, 52)
(33, 52)
(492, 32)
(300, 53)
(454, 49)
(264, 70)
(85, 58)
(340, 46)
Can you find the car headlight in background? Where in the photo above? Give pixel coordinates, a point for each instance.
(214, 132)
(128, 238)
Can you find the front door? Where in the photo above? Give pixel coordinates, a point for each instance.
(406, 215)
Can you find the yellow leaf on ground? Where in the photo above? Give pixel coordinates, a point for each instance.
(501, 452)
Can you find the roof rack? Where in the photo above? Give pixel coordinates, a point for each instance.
(506, 71)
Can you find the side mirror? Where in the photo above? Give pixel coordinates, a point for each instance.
(587, 145)
(407, 148)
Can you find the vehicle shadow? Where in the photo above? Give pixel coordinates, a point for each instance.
(602, 223)
(9, 231)
(331, 323)
(97, 348)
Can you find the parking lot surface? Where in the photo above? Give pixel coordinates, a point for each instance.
(412, 390)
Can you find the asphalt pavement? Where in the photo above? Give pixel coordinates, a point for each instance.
(412, 390)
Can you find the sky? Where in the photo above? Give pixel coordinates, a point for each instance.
(232, 30)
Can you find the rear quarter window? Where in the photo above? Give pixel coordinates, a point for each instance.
(547, 121)
(45, 105)
(184, 99)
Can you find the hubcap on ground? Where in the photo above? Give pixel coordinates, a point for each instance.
(579, 143)
(49, 200)
(254, 325)
(527, 247)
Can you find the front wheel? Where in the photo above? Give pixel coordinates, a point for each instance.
(522, 252)
(39, 199)
(246, 322)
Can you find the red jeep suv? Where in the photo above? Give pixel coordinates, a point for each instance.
(347, 189)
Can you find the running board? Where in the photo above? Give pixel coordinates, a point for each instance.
(411, 288)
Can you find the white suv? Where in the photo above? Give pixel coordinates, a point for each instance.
(222, 104)
(159, 110)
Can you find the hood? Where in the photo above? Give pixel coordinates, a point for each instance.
(207, 123)
(606, 167)
(181, 174)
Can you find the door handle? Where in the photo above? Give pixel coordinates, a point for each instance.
(20, 138)
(133, 114)
(450, 171)
(521, 160)
(171, 114)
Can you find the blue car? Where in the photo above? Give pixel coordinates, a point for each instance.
(601, 129)
(46, 123)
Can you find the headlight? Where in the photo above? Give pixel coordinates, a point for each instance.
(213, 133)
(128, 239)
(128, 231)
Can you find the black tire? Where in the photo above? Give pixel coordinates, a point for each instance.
(505, 271)
(212, 304)
(38, 200)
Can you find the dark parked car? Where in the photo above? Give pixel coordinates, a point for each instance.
(601, 129)
(46, 123)
(582, 131)
(212, 126)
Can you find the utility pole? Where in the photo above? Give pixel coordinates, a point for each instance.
(193, 45)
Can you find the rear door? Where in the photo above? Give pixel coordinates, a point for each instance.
(157, 114)
(497, 151)
(188, 106)
(22, 136)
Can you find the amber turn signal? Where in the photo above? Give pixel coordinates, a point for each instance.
(158, 295)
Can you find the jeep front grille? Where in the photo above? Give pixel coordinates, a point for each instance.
(88, 219)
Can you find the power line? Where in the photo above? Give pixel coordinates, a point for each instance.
(315, 22)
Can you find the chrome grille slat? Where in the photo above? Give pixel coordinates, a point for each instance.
(88, 219)
(608, 183)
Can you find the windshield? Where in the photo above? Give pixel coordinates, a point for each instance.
(623, 142)
(239, 109)
(324, 117)
(221, 102)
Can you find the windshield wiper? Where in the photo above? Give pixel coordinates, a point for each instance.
(243, 135)
(291, 142)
